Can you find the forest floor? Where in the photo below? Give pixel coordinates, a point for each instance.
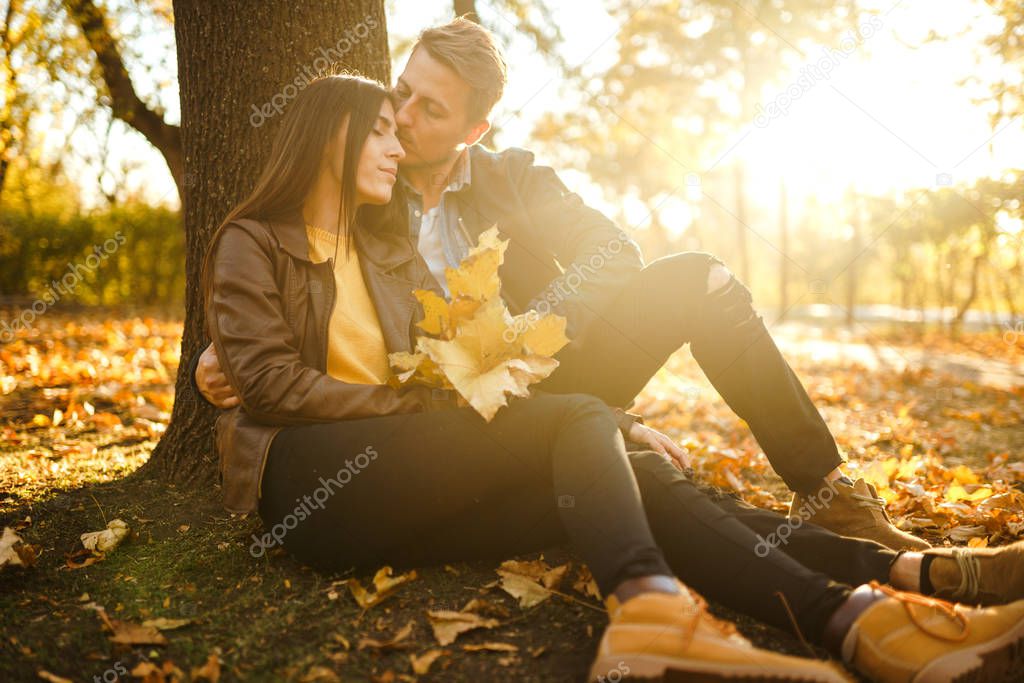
(934, 423)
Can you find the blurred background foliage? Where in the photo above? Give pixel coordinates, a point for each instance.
(651, 111)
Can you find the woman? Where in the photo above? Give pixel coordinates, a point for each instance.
(347, 471)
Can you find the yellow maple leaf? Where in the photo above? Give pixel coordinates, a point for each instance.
(472, 343)
(435, 311)
(418, 368)
(477, 275)
(547, 336)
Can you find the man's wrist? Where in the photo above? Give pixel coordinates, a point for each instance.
(626, 420)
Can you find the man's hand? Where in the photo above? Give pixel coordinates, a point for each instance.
(660, 443)
(212, 382)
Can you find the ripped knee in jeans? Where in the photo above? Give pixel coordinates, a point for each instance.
(728, 299)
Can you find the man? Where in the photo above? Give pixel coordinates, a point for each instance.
(624, 318)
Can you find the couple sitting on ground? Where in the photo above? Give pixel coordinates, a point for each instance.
(370, 194)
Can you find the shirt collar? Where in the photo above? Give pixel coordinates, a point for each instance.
(461, 177)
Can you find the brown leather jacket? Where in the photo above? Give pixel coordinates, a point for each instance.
(267, 312)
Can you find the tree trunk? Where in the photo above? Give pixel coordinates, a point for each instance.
(235, 58)
(972, 294)
(741, 223)
(783, 252)
(852, 273)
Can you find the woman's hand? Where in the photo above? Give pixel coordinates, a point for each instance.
(660, 443)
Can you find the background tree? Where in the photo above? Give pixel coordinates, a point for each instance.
(1008, 45)
(682, 92)
(120, 93)
(234, 56)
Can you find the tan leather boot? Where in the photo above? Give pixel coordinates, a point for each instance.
(978, 576)
(660, 634)
(910, 638)
(853, 511)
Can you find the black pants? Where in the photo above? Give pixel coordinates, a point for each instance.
(427, 488)
(665, 307)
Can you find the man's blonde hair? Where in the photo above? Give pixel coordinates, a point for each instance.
(468, 49)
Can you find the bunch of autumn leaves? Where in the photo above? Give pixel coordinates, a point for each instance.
(472, 344)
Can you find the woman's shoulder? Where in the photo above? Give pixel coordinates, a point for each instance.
(241, 231)
(259, 229)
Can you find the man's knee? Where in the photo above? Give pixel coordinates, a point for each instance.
(718, 277)
(706, 281)
(694, 271)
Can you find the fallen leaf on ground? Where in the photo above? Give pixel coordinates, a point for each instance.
(108, 539)
(491, 647)
(485, 607)
(530, 582)
(421, 663)
(586, 584)
(150, 673)
(52, 678)
(128, 633)
(383, 583)
(82, 557)
(395, 642)
(448, 624)
(320, 674)
(209, 671)
(527, 591)
(165, 624)
(14, 551)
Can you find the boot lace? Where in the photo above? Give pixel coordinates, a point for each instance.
(871, 501)
(949, 609)
(970, 574)
(868, 501)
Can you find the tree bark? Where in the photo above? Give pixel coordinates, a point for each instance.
(11, 88)
(784, 251)
(743, 254)
(235, 59)
(853, 272)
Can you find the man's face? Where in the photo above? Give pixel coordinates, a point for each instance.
(432, 112)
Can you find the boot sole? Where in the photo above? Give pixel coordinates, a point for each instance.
(671, 669)
(1000, 660)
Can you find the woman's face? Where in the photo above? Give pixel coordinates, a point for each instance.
(378, 165)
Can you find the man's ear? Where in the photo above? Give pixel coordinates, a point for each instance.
(477, 132)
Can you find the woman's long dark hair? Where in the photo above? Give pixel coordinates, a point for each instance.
(309, 124)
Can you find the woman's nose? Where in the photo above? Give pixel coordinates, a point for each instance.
(397, 152)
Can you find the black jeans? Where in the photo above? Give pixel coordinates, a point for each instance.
(427, 488)
(663, 308)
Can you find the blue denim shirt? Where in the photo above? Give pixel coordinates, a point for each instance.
(454, 237)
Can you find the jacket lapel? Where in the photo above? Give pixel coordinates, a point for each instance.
(389, 262)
